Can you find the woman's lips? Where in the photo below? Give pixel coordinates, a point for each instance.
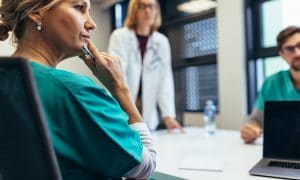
(86, 37)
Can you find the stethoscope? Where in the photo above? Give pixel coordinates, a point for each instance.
(154, 47)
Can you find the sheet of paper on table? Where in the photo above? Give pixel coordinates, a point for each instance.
(203, 163)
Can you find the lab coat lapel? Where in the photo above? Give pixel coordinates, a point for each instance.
(151, 57)
(133, 41)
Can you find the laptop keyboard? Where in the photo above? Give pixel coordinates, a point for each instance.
(284, 164)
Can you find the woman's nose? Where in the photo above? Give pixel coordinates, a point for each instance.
(90, 23)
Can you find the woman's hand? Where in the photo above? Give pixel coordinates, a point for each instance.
(171, 124)
(106, 68)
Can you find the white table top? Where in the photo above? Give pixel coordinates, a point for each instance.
(238, 158)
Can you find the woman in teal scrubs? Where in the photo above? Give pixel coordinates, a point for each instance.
(97, 134)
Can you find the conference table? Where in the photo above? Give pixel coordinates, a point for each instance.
(186, 156)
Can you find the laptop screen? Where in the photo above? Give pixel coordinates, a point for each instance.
(24, 148)
(282, 130)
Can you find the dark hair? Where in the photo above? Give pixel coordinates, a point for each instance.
(285, 34)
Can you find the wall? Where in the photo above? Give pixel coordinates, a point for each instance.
(6, 47)
(232, 63)
(231, 67)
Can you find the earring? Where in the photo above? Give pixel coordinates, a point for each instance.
(39, 26)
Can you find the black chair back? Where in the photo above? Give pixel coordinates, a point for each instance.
(26, 151)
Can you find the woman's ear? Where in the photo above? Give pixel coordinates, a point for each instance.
(36, 16)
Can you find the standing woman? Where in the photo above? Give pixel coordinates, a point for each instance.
(96, 134)
(146, 62)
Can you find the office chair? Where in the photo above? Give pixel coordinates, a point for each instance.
(26, 151)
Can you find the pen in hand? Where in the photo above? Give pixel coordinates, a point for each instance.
(86, 52)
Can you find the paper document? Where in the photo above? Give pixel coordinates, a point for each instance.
(202, 163)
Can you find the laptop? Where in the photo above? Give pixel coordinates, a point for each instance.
(281, 146)
(26, 151)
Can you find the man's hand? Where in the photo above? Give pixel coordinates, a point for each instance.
(171, 124)
(250, 132)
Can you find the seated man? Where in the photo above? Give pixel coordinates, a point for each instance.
(284, 85)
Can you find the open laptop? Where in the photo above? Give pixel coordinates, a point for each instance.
(281, 146)
(26, 151)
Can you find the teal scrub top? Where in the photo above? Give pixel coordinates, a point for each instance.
(88, 128)
(277, 87)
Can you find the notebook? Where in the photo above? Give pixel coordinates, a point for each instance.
(281, 146)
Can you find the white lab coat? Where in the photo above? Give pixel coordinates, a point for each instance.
(156, 71)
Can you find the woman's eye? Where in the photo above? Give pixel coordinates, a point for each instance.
(79, 7)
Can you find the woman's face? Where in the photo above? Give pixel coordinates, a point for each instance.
(67, 25)
(147, 12)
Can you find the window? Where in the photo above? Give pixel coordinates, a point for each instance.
(118, 14)
(276, 15)
(265, 19)
(194, 46)
(197, 39)
(201, 85)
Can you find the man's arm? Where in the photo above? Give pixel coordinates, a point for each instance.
(253, 128)
(257, 116)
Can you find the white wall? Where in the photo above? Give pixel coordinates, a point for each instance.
(6, 47)
(231, 67)
(232, 63)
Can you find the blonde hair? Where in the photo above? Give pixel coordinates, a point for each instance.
(131, 19)
(14, 15)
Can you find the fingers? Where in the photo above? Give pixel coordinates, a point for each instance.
(110, 60)
(87, 58)
(99, 55)
(248, 137)
(99, 58)
(170, 130)
(182, 129)
(178, 126)
(93, 50)
(110, 56)
(100, 61)
(250, 132)
(172, 124)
